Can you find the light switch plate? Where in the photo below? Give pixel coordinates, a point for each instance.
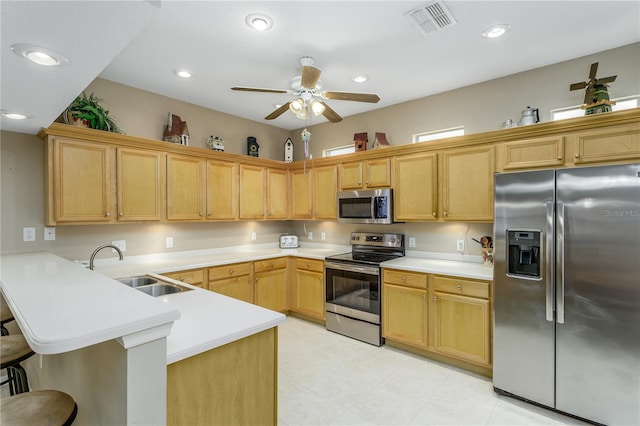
(28, 234)
(460, 245)
(169, 242)
(49, 233)
(412, 242)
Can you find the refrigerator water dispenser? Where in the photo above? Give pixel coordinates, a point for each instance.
(523, 254)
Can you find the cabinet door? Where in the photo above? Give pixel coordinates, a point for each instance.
(467, 184)
(309, 294)
(300, 191)
(82, 182)
(462, 327)
(415, 195)
(196, 277)
(239, 287)
(351, 176)
(325, 192)
(140, 184)
(186, 182)
(252, 192)
(378, 173)
(532, 153)
(222, 190)
(271, 290)
(615, 143)
(404, 315)
(277, 201)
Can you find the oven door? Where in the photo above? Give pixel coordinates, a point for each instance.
(353, 290)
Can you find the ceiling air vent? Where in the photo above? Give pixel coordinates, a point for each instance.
(431, 17)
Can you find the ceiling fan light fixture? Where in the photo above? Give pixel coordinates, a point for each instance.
(316, 107)
(259, 22)
(496, 31)
(297, 106)
(39, 55)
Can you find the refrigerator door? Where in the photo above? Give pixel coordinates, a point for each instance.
(598, 330)
(523, 297)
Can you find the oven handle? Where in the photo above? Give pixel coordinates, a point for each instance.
(352, 268)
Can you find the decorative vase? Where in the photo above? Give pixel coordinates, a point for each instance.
(70, 119)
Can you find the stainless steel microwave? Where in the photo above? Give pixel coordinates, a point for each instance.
(370, 206)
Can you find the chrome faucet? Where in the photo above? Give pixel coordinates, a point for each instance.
(93, 255)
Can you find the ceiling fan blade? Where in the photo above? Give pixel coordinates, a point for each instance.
(576, 86)
(330, 114)
(310, 76)
(357, 97)
(277, 113)
(606, 80)
(255, 89)
(593, 71)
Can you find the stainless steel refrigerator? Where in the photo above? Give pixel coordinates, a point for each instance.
(567, 290)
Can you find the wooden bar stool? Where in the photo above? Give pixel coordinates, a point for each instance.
(41, 408)
(13, 350)
(5, 315)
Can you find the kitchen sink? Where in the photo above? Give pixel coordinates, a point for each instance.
(152, 286)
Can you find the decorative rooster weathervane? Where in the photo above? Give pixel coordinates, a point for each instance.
(596, 98)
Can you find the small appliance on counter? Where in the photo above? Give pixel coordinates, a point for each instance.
(289, 241)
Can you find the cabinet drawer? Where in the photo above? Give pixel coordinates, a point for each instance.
(269, 264)
(461, 286)
(310, 265)
(193, 277)
(228, 271)
(409, 279)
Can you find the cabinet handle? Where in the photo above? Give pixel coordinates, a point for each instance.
(107, 214)
(182, 279)
(424, 296)
(272, 265)
(435, 298)
(577, 155)
(459, 287)
(404, 279)
(367, 182)
(444, 213)
(230, 271)
(209, 213)
(201, 214)
(433, 214)
(121, 214)
(359, 183)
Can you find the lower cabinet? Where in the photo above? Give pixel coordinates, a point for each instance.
(444, 315)
(308, 290)
(271, 284)
(196, 277)
(235, 280)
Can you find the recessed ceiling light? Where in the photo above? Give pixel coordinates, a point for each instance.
(496, 31)
(259, 22)
(360, 78)
(39, 55)
(15, 115)
(183, 73)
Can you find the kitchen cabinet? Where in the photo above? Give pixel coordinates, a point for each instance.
(308, 288)
(234, 280)
(531, 153)
(186, 182)
(80, 182)
(466, 182)
(222, 190)
(263, 193)
(140, 184)
(405, 307)
(271, 284)
(369, 174)
(415, 187)
(301, 193)
(277, 200)
(325, 192)
(615, 143)
(462, 319)
(196, 277)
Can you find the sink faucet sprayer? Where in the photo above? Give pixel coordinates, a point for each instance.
(93, 255)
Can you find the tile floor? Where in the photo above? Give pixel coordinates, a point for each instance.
(328, 379)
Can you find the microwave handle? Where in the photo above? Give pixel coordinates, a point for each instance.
(373, 207)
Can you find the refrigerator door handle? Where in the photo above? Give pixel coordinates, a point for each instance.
(549, 264)
(560, 265)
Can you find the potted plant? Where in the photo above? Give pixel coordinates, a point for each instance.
(86, 111)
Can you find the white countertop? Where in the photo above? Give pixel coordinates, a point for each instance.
(442, 266)
(61, 306)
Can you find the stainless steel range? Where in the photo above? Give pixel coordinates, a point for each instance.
(354, 285)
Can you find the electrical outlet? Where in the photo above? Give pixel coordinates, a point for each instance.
(310, 235)
(323, 236)
(169, 242)
(49, 233)
(412, 242)
(254, 237)
(121, 244)
(460, 245)
(28, 234)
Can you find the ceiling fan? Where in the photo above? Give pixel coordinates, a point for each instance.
(307, 87)
(593, 85)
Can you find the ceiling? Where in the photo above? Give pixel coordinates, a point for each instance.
(141, 43)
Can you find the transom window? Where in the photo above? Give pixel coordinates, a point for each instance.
(438, 134)
(627, 102)
(347, 149)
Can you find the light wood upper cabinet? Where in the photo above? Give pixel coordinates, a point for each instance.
(186, 182)
(531, 153)
(277, 200)
(370, 174)
(141, 183)
(222, 190)
(252, 192)
(614, 143)
(81, 176)
(415, 193)
(466, 181)
(325, 192)
(301, 193)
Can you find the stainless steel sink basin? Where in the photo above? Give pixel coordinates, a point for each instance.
(137, 281)
(152, 286)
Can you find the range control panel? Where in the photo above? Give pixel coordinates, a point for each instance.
(376, 239)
